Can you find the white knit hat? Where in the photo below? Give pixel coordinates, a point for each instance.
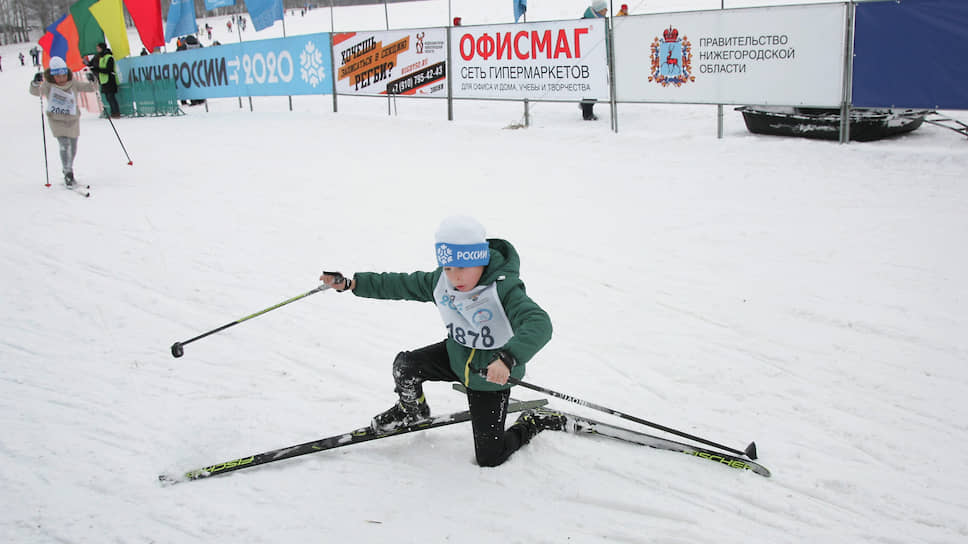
(599, 5)
(461, 242)
(58, 66)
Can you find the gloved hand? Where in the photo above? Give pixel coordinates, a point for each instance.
(38, 77)
(336, 281)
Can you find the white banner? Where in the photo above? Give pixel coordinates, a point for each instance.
(791, 56)
(560, 60)
(406, 62)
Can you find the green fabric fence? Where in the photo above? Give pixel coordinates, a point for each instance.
(147, 98)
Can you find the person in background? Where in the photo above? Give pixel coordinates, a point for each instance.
(597, 9)
(623, 11)
(58, 86)
(184, 44)
(103, 65)
(22, 59)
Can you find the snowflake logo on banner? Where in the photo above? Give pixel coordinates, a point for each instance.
(444, 254)
(311, 65)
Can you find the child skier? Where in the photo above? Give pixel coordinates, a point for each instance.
(58, 86)
(492, 325)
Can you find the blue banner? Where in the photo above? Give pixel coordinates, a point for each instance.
(520, 7)
(212, 4)
(278, 67)
(911, 54)
(264, 13)
(181, 19)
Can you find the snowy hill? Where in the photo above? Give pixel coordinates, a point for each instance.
(806, 295)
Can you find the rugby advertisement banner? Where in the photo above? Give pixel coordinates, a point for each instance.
(276, 67)
(786, 56)
(559, 60)
(405, 62)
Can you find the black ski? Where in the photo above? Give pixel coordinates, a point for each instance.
(364, 434)
(580, 424)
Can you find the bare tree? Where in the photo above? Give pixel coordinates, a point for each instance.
(14, 27)
(6, 30)
(46, 12)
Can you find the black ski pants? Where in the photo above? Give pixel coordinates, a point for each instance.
(112, 99)
(492, 443)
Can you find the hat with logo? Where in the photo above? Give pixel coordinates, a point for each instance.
(461, 243)
(58, 66)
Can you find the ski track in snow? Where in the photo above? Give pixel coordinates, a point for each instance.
(803, 294)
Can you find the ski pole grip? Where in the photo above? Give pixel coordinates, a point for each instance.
(336, 275)
(337, 278)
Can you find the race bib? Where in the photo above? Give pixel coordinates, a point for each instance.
(63, 102)
(474, 318)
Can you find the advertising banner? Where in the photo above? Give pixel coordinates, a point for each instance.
(277, 67)
(789, 56)
(891, 70)
(559, 60)
(405, 62)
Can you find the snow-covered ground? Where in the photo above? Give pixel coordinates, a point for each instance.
(807, 295)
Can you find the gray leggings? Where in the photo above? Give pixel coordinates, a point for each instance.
(68, 149)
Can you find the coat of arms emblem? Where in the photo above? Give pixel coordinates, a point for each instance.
(671, 59)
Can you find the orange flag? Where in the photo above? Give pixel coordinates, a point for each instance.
(69, 31)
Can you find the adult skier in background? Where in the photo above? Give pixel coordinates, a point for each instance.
(492, 326)
(58, 86)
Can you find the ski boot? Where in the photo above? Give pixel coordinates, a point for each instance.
(69, 179)
(400, 415)
(541, 419)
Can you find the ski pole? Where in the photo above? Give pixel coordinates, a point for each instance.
(119, 141)
(749, 452)
(98, 94)
(177, 349)
(43, 132)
